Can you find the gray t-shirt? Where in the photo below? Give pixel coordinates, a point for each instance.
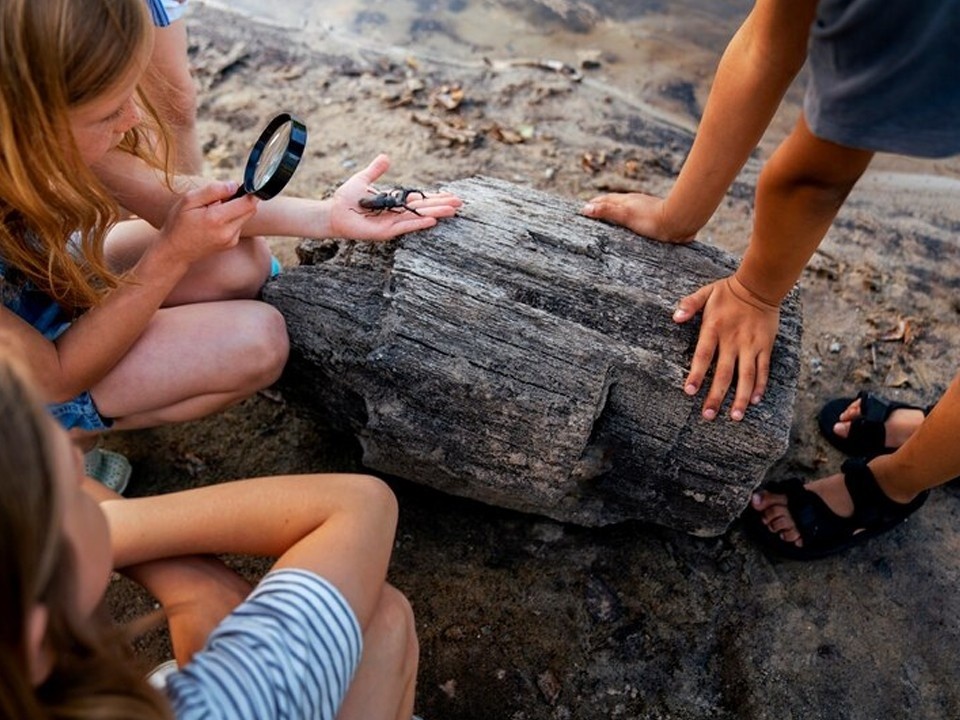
(885, 75)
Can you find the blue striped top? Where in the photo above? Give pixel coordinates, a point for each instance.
(159, 13)
(289, 651)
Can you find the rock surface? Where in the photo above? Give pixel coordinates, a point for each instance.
(523, 618)
(523, 355)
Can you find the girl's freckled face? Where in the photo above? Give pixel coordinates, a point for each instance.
(98, 126)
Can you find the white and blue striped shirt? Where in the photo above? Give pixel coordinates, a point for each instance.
(289, 651)
(165, 12)
(159, 13)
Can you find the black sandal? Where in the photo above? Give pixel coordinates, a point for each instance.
(823, 531)
(867, 437)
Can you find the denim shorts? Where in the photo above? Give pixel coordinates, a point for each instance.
(49, 319)
(81, 413)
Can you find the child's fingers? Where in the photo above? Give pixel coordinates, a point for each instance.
(763, 376)
(436, 199)
(412, 224)
(747, 371)
(723, 372)
(210, 193)
(240, 209)
(692, 304)
(437, 211)
(380, 164)
(700, 363)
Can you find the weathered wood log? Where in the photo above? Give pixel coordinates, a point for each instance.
(525, 356)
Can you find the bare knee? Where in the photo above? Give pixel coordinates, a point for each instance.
(244, 269)
(373, 497)
(265, 345)
(392, 633)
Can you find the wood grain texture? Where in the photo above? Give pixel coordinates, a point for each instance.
(525, 356)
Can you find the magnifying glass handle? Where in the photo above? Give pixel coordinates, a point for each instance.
(241, 191)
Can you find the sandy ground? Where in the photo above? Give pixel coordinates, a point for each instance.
(520, 617)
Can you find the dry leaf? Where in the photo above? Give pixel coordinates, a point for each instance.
(896, 378)
(862, 376)
(896, 333)
(506, 135)
(593, 163)
(549, 686)
(448, 97)
(905, 331)
(455, 131)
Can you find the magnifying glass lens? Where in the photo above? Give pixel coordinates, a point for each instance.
(274, 157)
(271, 156)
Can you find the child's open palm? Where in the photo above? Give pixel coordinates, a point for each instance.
(349, 220)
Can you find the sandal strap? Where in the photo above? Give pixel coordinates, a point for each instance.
(817, 524)
(822, 530)
(868, 431)
(874, 408)
(871, 505)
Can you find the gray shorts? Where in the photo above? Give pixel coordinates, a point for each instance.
(883, 75)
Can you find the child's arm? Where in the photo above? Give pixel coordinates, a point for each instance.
(196, 593)
(800, 191)
(338, 526)
(755, 71)
(84, 354)
(143, 190)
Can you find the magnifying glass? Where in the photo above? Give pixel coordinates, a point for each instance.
(273, 157)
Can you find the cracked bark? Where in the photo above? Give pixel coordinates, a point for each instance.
(525, 356)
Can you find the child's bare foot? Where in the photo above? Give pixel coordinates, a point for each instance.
(776, 515)
(869, 425)
(899, 425)
(825, 516)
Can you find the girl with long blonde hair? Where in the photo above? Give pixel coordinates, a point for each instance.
(147, 321)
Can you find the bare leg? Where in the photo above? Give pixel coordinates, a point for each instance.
(193, 360)
(385, 682)
(234, 274)
(170, 87)
(210, 346)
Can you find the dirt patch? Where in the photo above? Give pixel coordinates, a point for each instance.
(524, 618)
